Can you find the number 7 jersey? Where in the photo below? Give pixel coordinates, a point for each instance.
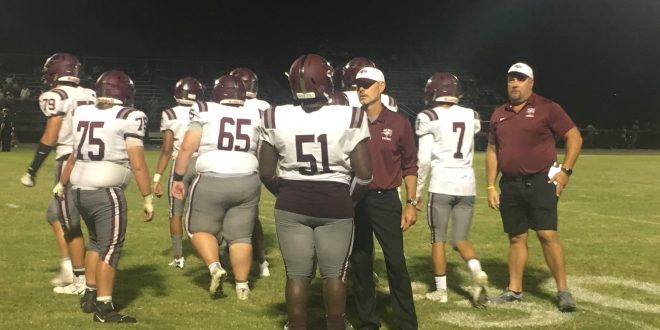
(315, 145)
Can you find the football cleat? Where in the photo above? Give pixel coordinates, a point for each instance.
(105, 313)
(479, 294)
(565, 302)
(177, 262)
(88, 301)
(28, 180)
(243, 292)
(65, 276)
(507, 296)
(264, 271)
(439, 295)
(77, 287)
(217, 277)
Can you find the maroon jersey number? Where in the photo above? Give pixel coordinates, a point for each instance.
(459, 126)
(309, 158)
(88, 134)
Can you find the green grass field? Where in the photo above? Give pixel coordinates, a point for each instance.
(609, 225)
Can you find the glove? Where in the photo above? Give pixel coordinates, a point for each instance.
(28, 180)
(58, 190)
(148, 208)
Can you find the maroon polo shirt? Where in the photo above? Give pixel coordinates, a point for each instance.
(392, 149)
(526, 140)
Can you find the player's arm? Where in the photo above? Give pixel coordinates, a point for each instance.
(165, 154)
(491, 176)
(423, 163)
(409, 172)
(58, 190)
(46, 143)
(189, 145)
(141, 174)
(361, 167)
(268, 167)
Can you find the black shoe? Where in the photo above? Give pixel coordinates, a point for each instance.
(88, 301)
(565, 302)
(105, 313)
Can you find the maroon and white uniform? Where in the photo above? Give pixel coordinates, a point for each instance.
(446, 146)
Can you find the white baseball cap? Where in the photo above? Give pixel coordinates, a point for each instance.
(369, 73)
(522, 68)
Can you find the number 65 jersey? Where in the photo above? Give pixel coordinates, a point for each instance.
(229, 138)
(100, 145)
(315, 146)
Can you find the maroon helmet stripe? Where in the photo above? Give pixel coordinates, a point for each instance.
(63, 95)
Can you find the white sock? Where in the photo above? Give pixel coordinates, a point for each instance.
(66, 263)
(213, 266)
(104, 299)
(441, 282)
(242, 285)
(474, 265)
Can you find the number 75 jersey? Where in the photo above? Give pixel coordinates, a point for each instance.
(315, 145)
(100, 134)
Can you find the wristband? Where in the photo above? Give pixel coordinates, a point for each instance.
(490, 187)
(177, 177)
(149, 199)
(156, 177)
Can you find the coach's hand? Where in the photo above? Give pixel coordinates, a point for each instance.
(408, 217)
(493, 198)
(148, 208)
(561, 180)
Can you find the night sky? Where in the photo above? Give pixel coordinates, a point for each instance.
(598, 58)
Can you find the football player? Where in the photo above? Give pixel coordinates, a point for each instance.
(251, 82)
(225, 192)
(348, 73)
(173, 124)
(108, 146)
(446, 147)
(60, 76)
(309, 152)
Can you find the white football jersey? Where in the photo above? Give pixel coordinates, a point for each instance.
(315, 146)
(176, 120)
(62, 101)
(354, 100)
(229, 138)
(261, 105)
(99, 138)
(447, 146)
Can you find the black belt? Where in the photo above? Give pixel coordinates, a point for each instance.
(380, 191)
(522, 178)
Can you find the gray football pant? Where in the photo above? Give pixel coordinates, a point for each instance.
(441, 208)
(302, 237)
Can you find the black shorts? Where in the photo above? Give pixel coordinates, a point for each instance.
(528, 202)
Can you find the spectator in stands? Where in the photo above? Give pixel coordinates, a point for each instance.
(25, 92)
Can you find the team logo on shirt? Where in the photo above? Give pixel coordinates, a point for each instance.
(530, 112)
(386, 134)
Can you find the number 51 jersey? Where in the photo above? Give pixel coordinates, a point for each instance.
(99, 142)
(315, 145)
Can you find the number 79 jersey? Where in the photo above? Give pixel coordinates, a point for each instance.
(99, 142)
(229, 138)
(315, 145)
